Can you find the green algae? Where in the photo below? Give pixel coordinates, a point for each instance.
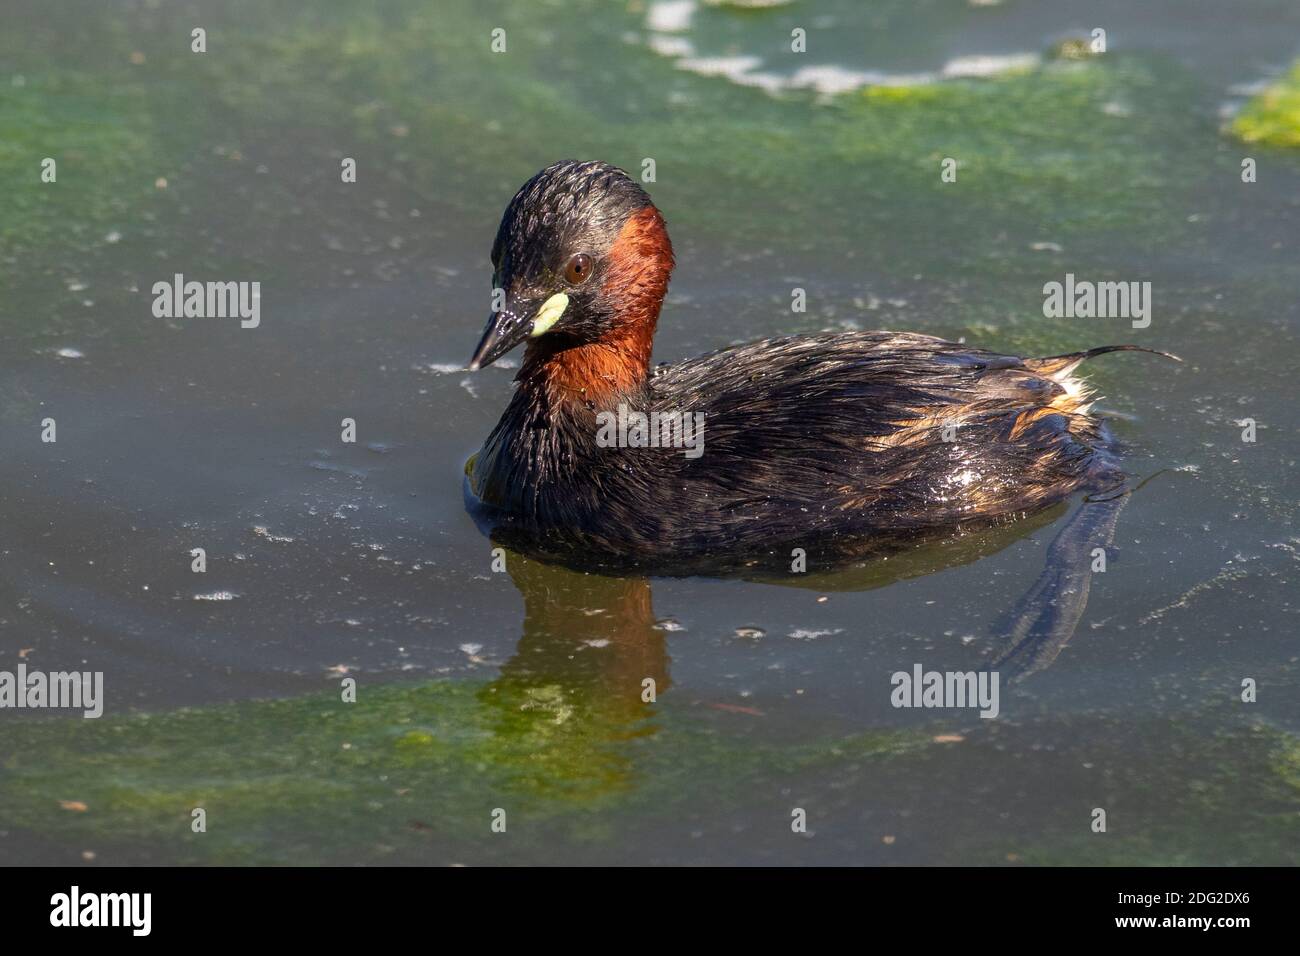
(1079, 148)
(563, 742)
(1239, 807)
(435, 108)
(102, 139)
(351, 779)
(1272, 118)
(356, 782)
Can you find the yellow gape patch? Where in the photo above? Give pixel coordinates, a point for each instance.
(549, 314)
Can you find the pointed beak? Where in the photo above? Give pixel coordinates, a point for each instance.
(518, 320)
(505, 330)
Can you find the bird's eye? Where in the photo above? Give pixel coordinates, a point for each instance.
(578, 269)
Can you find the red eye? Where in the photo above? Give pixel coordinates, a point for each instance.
(578, 269)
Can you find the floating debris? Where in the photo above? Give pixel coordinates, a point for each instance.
(807, 634)
(441, 368)
(738, 709)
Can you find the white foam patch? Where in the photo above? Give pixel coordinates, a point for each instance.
(671, 47)
(670, 16)
(729, 66)
(988, 65)
(831, 80)
(811, 634)
(665, 19)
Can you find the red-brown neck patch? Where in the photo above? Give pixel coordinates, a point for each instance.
(636, 278)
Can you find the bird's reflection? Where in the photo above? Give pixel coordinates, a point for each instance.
(582, 682)
(592, 660)
(592, 634)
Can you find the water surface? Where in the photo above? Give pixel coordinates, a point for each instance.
(480, 690)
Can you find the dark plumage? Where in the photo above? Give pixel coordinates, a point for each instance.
(835, 442)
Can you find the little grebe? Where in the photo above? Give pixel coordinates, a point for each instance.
(839, 440)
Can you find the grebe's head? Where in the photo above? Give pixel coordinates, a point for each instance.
(582, 256)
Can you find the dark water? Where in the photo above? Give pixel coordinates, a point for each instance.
(520, 691)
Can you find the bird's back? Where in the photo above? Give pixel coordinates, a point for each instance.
(846, 439)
